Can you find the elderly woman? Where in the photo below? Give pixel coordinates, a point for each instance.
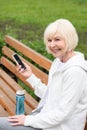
(63, 104)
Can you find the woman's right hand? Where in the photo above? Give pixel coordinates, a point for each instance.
(17, 120)
(25, 72)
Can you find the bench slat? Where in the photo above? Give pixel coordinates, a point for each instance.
(7, 103)
(3, 112)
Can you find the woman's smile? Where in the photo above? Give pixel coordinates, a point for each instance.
(57, 45)
(55, 50)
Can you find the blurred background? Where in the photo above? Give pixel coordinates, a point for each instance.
(26, 20)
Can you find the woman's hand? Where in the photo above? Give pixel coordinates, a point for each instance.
(25, 72)
(17, 120)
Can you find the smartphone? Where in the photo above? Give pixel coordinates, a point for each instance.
(18, 61)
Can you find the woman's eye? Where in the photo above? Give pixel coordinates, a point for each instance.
(49, 40)
(57, 39)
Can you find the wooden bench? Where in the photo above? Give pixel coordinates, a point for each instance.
(10, 79)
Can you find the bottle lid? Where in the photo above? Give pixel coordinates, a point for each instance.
(20, 92)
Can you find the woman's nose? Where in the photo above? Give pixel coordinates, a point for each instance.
(52, 44)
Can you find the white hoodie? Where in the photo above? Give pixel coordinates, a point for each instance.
(64, 99)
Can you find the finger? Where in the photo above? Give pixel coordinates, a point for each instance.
(15, 124)
(25, 63)
(13, 120)
(21, 70)
(18, 68)
(12, 117)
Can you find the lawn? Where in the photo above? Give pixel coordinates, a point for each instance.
(26, 20)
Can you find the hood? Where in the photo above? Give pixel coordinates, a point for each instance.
(76, 60)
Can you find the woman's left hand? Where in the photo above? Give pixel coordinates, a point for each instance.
(17, 120)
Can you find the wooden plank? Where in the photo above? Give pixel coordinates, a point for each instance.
(28, 52)
(3, 112)
(7, 90)
(7, 103)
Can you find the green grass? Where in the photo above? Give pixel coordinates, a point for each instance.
(26, 20)
(43, 12)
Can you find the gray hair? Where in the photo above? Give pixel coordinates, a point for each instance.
(65, 29)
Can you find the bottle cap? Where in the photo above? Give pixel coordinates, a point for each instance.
(20, 92)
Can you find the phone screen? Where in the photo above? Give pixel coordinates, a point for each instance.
(18, 60)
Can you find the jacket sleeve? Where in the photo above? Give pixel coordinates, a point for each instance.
(39, 87)
(72, 89)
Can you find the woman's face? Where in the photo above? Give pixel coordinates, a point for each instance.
(57, 46)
